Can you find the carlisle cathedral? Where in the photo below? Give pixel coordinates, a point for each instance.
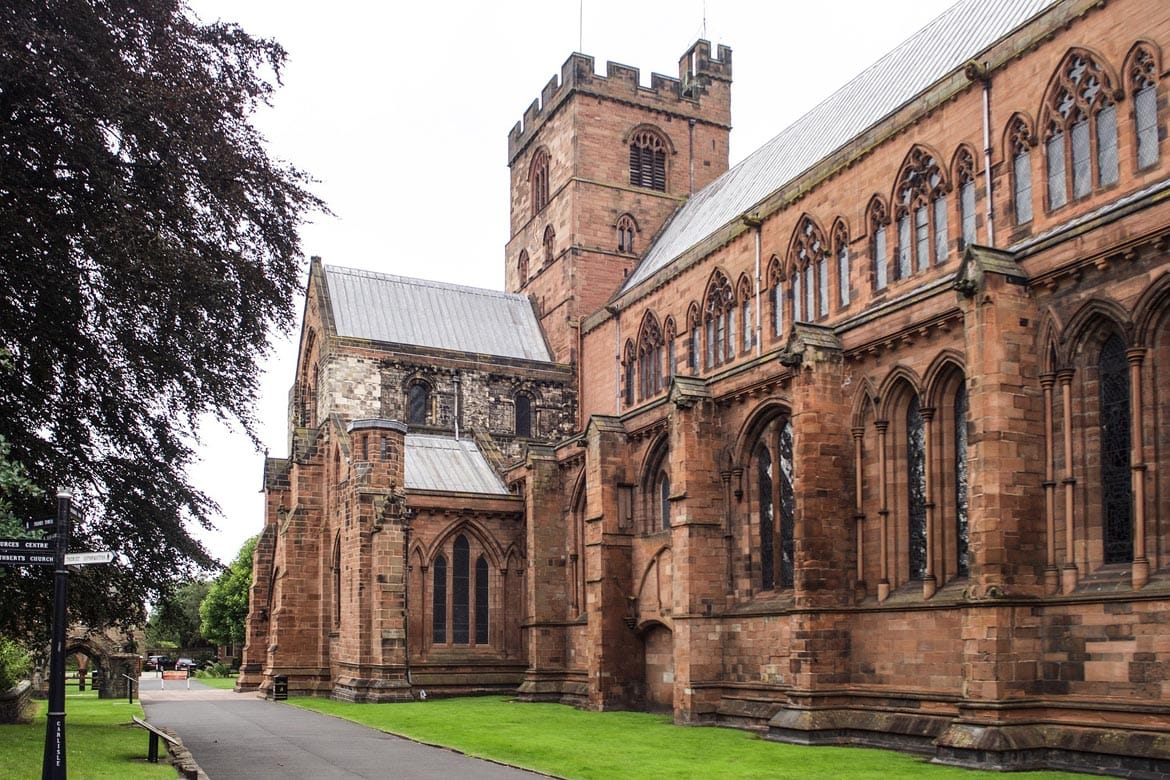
(865, 440)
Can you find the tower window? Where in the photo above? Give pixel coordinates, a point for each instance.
(539, 180)
(625, 234)
(648, 161)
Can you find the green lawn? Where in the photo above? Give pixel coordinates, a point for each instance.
(100, 744)
(223, 683)
(571, 743)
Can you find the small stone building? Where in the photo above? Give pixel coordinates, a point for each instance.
(864, 440)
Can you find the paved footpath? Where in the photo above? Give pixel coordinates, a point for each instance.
(238, 736)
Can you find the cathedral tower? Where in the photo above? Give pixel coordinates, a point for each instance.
(598, 165)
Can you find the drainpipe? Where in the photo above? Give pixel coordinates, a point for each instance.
(691, 144)
(617, 359)
(977, 72)
(458, 392)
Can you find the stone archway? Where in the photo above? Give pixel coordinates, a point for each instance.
(658, 649)
(109, 667)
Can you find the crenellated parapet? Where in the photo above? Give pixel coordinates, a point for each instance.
(699, 74)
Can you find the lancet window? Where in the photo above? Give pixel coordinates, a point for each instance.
(965, 176)
(538, 177)
(878, 218)
(772, 475)
(1143, 84)
(1020, 142)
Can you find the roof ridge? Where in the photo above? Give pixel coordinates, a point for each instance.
(420, 282)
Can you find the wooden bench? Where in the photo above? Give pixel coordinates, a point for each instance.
(155, 735)
(175, 674)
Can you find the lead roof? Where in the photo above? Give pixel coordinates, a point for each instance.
(416, 312)
(962, 32)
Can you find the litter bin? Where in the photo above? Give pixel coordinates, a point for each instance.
(279, 687)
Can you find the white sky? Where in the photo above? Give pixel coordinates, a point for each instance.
(402, 111)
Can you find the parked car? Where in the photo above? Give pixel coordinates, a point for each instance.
(187, 665)
(159, 662)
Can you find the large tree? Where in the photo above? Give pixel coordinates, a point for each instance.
(224, 612)
(175, 617)
(148, 247)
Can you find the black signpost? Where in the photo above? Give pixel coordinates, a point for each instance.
(53, 765)
(51, 551)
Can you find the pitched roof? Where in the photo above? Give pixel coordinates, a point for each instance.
(450, 465)
(943, 46)
(416, 312)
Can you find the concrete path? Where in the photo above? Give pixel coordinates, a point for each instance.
(237, 736)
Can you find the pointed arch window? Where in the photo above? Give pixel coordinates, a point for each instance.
(439, 600)
(648, 160)
(538, 177)
(630, 367)
(921, 214)
(747, 327)
(774, 504)
(1116, 477)
(1081, 115)
(625, 234)
(337, 580)
(719, 318)
(776, 297)
(1143, 73)
(841, 248)
(916, 463)
(960, 438)
(808, 258)
(1020, 141)
(481, 601)
(878, 219)
(965, 175)
(650, 349)
(550, 239)
(669, 335)
(662, 490)
(460, 592)
(522, 267)
(695, 327)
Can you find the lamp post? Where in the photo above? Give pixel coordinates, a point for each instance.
(53, 765)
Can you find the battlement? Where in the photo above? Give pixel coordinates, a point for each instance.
(697, 71)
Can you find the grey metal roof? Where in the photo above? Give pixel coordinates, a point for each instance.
(943, 46)
(451, 465)
(416, 312)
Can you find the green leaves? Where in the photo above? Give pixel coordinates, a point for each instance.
(225, 610)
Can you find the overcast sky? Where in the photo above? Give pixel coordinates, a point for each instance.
(402, 110)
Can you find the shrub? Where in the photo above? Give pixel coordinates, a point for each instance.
(216, 669)
(14, 663)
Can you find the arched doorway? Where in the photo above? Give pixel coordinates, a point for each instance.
(658, 647)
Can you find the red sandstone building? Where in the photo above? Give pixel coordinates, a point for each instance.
(866, 439)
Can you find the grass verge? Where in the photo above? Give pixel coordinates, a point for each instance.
(100, 743)
(223, 683)
(566, 742)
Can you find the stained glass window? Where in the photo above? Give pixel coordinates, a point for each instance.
(1116, 486)
(916, 477)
